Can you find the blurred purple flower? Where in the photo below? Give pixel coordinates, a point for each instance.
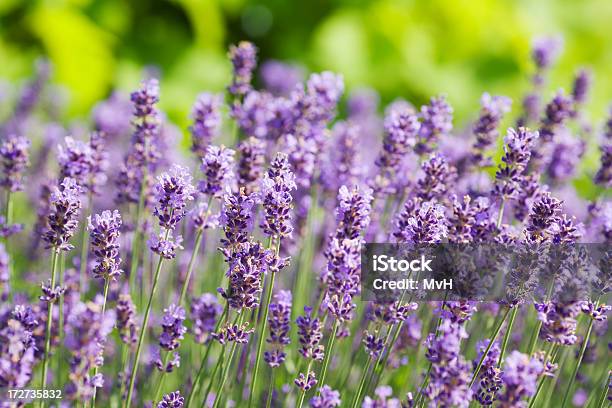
(278, 321)
(327, 398)
(105, 230)
(63, 215)
(14, 154)
(217, 166)
(244, 59)
(276, 189)
(205, 310)
(251, 164)
(281, 78)
(206, 117)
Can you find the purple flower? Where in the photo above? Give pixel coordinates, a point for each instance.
(126, 322)
(373, 344)
(489, 378)
(437, 175)
(206, 117)
(352, 212)
(165, 245)
(582, 85)
(342, 274)
(50, 294)
(383, 399)
(172, 400)
(244, 59)
(217, 167)
(205, 310)
(75, 160)
(234, 333)
(173, 191)
(281, 78)
(203, 218)
(545, 51)
(520, 378)
(237, 220)
(6, 230)
(310, 335)
(251, 163)
(276, 188)
(436, 120)
(344, 165)
(323, 92)
(327, 398)
(278, 320)
(306, 381)
(421, 223)
(173, 328)
(603, 176)
(517, 152)
(17, 348)
(4, 274)
(98, 162)
(565, 157)
(63, 215)
(470, 221)
(485, 129)
(14, 154)
(544, 214)
(558, 322)
(104, 230)
(261, 115)
(112, 116)
(558, 111)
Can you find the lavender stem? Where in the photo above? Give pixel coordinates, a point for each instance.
(106, 286)
(507, 335)
(54, 256)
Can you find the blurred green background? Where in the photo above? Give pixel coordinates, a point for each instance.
(402, 48)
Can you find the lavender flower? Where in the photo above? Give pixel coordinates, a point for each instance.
(173, 332)
(251, 163)
(604, 174)
(104, 230)
(546, 50)
(558, 322)
(437, 175)
(520, 378)
(17, 348)
(277, 185)
(383, 399)
(75, 160)
(437, 120)
(173, 191)
(558, 111)
(165, 245)
(4, 274)
(206, 122)
(582, 85)
(243, 57)
(172, 400)
(517, 152)
(126, 322)
(98, 163)
(424, 224)
(544, 214)
(237, 219)
(485, 129)
(15, 158)
(373, 344)
(205, 310)
(278, 320)
(63, 216)
(280, 78)
(489, 379)
(352, 212)
(6, 230)
(310, 335)
(111, 116)
(233, 333)
(217, 167)
(306, 381)
(327, 398)
(344, 163)
(565, 157)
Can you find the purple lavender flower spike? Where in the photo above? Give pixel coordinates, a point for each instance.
(278, 320)
(546, 50)
(544, 214)
(111, 116)
(99, 161)
(6, 230)
(237, 220)
(353, 211)
(257, 113)
(17, 347)
(310, 335)
(424, 224)
(565, 156)
(206, 122)
(327, 398)
(281, 78)
(437, 120)
(603, 176)
(244, 59)
(172, 400)
(126, 319)
(205, 310)
(165, 245)
(558, 111)
(105, 230)
(520, 378)
(251, 164)
(383, 399)
(63, 216)
(485, 129)
(233, 333)
(306, 381)
(173, 328)
(438, 174)
(517, 152)
(323, 92)
(277, 186)
(344, 165)
(14, 154)
(4, 274)
(217, 166)
(489, 379)
(75, 160)
(373, 345)
(558, 322)
(173, 191)
(582, 86)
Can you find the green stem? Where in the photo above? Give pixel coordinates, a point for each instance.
(54, 256)
(328, 353)
(84, 247)
(303, 393)
(160, 384)
(8, 216)
(491, 342)
(137, 235)
(572, 379)
(212, 377)
(194, 254)
(500, 215)
(604, 391)
(541, 383)
(507, 336)
(270, 390)
(106, 286)
(226, 370)
(143, 330)
(361, 383)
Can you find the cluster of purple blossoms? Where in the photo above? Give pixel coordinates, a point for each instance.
(489, 378)
(143, 154)
(217, 167)
(4, 274)
(401, 130)
(564, 157)
(278, 320)
(581, 86)
(373, 344)
(203, 218)
(546, 50)
(280, 78)
(306, 381)
(517, 153)
(251, 163)
(520, 376)
(327, 398)
(470, 220)
(237, 221)
(545, 214)
(438, 175)
(603, 176)
(486, 128)
(244, 59)
(75, 160)
(352, 212)
(87, 328)
(62, 220)
(276, 188)
(421, 223)
(112, 116)
(17, 347)
(344, 162)
(173, 191)
(205, 310)
(558, 322)
(383, 399)
(14, 154)
(172, 400)
(104, 231)
(173, 332)
(206, 116)
(436, 121)
(558, 111)
(233, 333)
(126, 319)
(310, 335)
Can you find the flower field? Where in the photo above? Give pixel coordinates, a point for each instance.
(138, 272)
